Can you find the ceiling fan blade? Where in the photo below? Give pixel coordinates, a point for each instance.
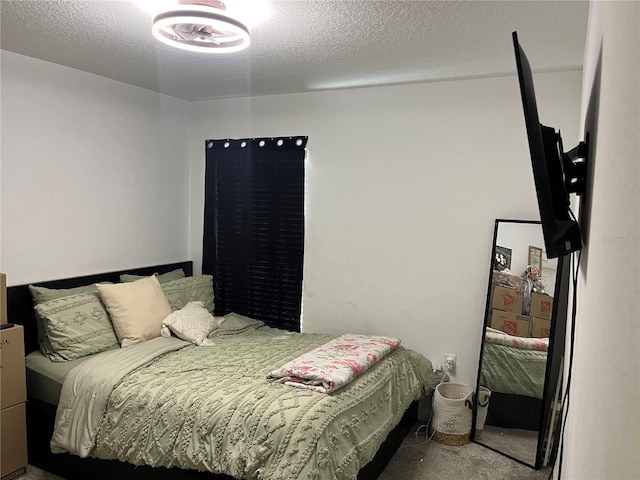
(204, 31)
(186, 31)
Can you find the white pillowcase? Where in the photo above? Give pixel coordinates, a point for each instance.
(136, 309)
(192, 323)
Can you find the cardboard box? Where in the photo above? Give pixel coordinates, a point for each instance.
(3, 299)
(541, 306)
(506, 299)
(12, 373)
(540, 327)
(509, 322)
(13, 442)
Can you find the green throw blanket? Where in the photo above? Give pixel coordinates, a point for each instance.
(513, 370)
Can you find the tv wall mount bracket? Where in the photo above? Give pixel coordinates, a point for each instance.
(574, 165)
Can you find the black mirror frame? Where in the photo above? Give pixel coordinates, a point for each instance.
(554, 366)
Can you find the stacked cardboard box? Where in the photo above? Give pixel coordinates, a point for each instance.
(509, 322)
(541, 306)
(506, 311)
(506, 299)
(3, 299)
(541, 311)
(540, 328)
(13, 395)
(506, 306)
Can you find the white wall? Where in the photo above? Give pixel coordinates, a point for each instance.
(403, 186)
(603, 434)
(95, 173)
(518, 237)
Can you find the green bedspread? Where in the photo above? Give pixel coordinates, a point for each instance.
(513, 370)
(211, 408)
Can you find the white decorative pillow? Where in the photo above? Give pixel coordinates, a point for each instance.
(192, 323)
(137, 309)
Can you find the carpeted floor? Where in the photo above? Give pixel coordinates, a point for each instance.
(416, 460)
(34, 473)
(520, 444)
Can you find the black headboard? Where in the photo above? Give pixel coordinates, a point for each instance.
(20, 304)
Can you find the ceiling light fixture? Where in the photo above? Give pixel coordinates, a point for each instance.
(201, 26)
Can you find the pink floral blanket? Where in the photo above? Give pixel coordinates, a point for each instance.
(334, 364)
(500, 338)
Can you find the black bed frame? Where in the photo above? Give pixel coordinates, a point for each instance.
(514, 411)
(41, 416)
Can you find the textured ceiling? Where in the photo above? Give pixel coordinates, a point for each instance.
(305, 45)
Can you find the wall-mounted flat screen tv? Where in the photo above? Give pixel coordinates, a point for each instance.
(556, 174)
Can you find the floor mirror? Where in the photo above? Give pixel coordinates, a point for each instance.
(519, 383)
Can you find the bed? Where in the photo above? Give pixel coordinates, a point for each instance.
(211, 413)
(514, 369)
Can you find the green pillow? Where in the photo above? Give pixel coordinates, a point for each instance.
(189, 289)
(76, 326)
(234, 324)
(162, 278)
(42, 295)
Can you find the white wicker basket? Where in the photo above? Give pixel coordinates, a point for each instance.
(484, 394)
(452, 413)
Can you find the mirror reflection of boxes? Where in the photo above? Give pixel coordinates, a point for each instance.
(507, 299)
(541, 306)
(510, 323)
(540, 327)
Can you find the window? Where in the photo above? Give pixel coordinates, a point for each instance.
(254, 227)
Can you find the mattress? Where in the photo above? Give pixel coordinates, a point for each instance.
(45, 378)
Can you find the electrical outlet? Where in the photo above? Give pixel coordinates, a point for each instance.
(449, 362)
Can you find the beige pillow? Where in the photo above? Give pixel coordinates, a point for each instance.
(136, 309)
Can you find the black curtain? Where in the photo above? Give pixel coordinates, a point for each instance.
(254, 227)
